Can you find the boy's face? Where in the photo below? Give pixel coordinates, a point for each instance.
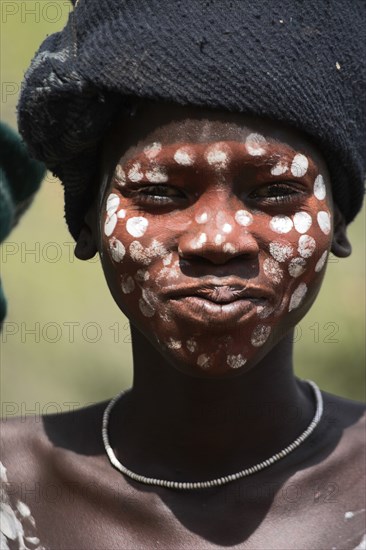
(214, 234)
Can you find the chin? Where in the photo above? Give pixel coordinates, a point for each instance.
(224, 362)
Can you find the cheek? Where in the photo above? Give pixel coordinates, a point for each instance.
(135, 262)
(298, 247)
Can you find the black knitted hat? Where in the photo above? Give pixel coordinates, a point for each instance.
(293, 61)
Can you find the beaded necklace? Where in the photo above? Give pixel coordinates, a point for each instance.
(188, 485)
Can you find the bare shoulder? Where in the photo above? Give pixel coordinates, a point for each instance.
(38, 452)
(340, 476)
(23, 443)
(41, 458)
(344, 422)
(346, 415)
(29, 444)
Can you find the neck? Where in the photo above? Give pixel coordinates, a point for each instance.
(170, 418)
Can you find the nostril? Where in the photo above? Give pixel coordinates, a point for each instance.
(199, 266)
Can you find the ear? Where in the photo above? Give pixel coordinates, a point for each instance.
(86, 246)
(341, 247)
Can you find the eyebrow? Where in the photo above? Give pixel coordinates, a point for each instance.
(275, 152)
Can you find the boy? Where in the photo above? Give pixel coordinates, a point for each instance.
(213, 173)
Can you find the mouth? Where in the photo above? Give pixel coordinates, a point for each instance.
(219, 291)
(218, 304)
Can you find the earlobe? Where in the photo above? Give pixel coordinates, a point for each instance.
(341, 247)
(85, 245)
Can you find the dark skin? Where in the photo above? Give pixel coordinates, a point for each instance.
(187, 422)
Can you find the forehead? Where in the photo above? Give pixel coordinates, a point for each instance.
(169, 124)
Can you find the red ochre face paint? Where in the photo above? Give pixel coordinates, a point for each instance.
(215, 245)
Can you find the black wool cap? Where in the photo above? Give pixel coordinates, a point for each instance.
(295, 62)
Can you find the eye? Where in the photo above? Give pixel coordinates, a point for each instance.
(278, 193)
(157, 194)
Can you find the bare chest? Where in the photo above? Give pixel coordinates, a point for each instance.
(291, 517)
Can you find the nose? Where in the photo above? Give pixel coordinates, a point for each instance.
(219, 236)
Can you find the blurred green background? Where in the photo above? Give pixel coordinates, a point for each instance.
(64, 341)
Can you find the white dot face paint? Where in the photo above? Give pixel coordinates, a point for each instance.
(272, 270)
(229, 247)
(142, 275)
(264, 311)
(109, 225)
(243, 217)
(112, 204)
(191, 345)
(199, 241)
(279, 169)
(166, 274)
(145, 255)
(117, 249)
(157, 175)
(184, 156)
(321, 262)
(235, 361)
(306, 246)
(146, 309)
(202, 239)
(168, 259)
(137, 226)
(299, 165)
(227, 228)
(298, 296)
(281, 224)
(302, 222)
(174, 344)
(255, 145)
(280, 251)
(219, 239)
(127, 284)
(120, 176)
(221, 219)
(217, 155)
(139, 254)
(152, 150)
(149, 297)
(319, 188)
(203, 361)
(121, 214)
(297, 267)
(260, 335)
(324, 222)
(135, 173)
(202, 218)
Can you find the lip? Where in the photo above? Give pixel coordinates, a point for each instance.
(217, 305)
(220, 291)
